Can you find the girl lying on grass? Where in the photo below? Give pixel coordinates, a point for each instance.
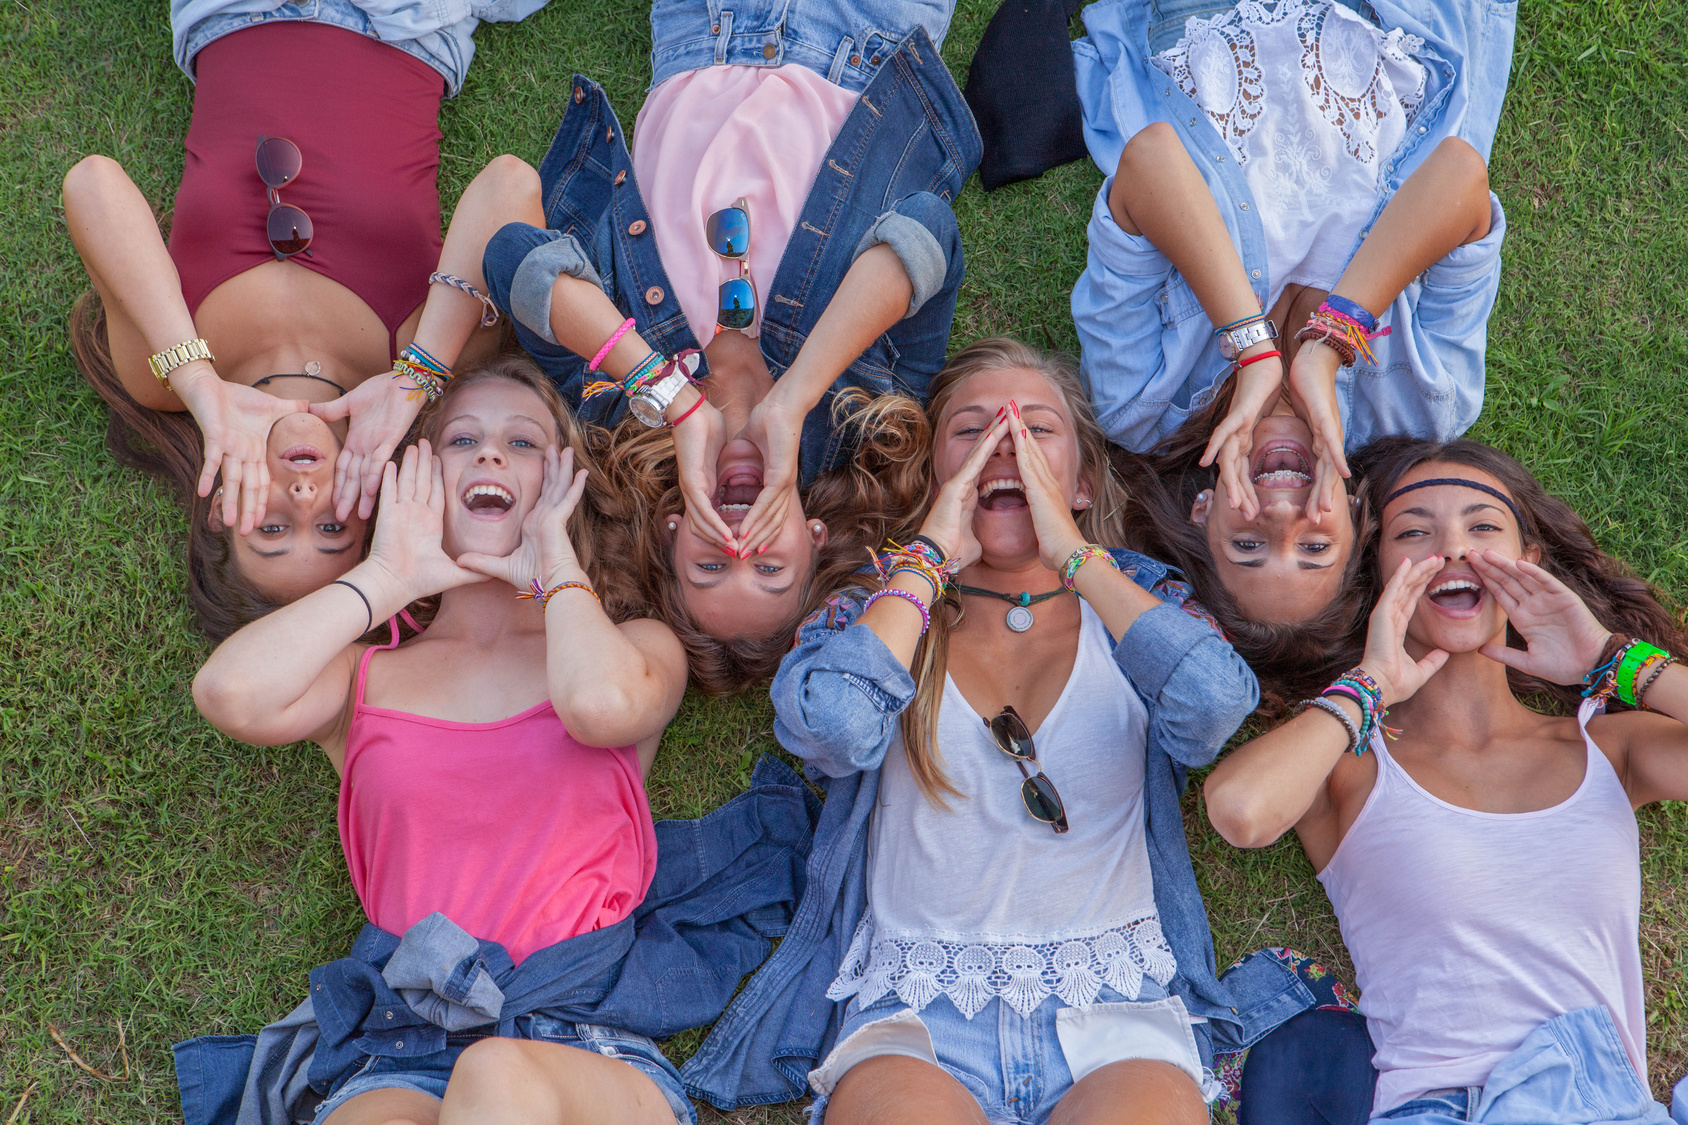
(1484, 860)
(492, 793)
(1025, 943)
(297, 270)
(1296, 251)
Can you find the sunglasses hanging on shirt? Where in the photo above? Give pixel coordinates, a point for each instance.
(728, 234)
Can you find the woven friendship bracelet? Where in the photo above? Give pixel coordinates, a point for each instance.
(490, 316)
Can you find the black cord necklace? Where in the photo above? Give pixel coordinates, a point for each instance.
(1019, 617)
(312, 371)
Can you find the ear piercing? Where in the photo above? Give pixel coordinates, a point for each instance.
(673, 525)
(817, 527)
(1202, 495)
(1081, 503)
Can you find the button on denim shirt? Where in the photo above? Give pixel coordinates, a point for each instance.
(724, 886)
(837, 702)
(1149, 355)
(889, 177)
(436, 31)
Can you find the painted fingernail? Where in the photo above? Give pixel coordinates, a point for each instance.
(761, 550)
(1016, 407)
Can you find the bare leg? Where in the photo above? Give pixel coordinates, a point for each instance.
(523, 1082)
(1136, 1092)
(1159, 193)
(387, 1107)
(895, 1089)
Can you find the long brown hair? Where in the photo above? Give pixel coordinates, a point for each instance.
(877, 495)
(598, 528)
(1292, 661)
(1618, 599)
(168, 445)
(1104, 522)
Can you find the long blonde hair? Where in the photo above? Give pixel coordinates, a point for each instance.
(878, 495)
(1103, 522)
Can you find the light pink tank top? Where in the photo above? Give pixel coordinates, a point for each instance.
(1469, 929)
(707, 137)
(511, 829)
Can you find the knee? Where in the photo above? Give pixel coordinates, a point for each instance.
(1149, 146)
(1465, 167)
(1158, 1091)
(92, 176)
(510, 175)
(490, 1065)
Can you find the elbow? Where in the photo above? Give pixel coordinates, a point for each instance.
(226, 705)
(603, 717)
(1243, 821)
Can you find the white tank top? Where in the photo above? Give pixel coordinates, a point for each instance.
(980, 899)
(1470, 929)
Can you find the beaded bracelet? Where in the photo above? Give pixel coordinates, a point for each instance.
(923, 572)
(1344, 334)
(893, 592)
(1355, 746)
(921, 557)
(1659, 663)
(538, 593)
(1078, 558)
(490, 317)
(1358, 685)
(425, 384)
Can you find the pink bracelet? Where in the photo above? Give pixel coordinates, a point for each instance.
(893, 592)
(603, 352)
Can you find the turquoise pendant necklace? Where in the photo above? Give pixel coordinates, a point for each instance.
(1019, 617)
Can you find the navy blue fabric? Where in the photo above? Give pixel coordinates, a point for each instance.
(908, 146)
(725, 886)
(1315, 1069)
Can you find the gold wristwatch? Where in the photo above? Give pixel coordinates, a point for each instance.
(169, 359)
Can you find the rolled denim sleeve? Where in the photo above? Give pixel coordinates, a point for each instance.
(922, 231)
(1197, 688)
(839, 694)
(522, 263)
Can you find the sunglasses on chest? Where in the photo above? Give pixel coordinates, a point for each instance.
(1037, 791)
(288, 227)
(728, 234)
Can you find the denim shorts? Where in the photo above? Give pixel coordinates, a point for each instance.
(429, 1075)
(1017, 1067)
(1457, 1103)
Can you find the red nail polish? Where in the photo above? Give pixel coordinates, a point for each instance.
(761, 550)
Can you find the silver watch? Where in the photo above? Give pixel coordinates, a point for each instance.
(653, 399)
(1234, 341)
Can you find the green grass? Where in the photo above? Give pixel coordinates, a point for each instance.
(154, 872)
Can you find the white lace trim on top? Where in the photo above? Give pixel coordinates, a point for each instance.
(919, 968)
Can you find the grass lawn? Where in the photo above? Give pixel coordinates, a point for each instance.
(158, 876)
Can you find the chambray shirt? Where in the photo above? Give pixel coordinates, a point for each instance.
(1149, 355)
(439, 32)
(837, 701)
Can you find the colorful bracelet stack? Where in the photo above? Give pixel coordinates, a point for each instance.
(427, 373)
(1078, 558)
(652, 369)
(490, 316)
(922, 557)
(1357, 685)
(540, 594)
(1622, 668)
(1344, 327)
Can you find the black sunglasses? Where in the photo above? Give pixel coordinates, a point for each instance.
(288, 227)
(728, 234)
(1037, 791)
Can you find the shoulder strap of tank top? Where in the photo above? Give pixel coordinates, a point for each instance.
(363, 664)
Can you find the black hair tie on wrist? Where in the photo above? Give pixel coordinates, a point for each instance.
(367, 608)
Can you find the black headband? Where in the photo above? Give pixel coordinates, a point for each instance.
(1463, 483)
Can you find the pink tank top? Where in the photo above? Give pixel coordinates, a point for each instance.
(511, 829)
(1471, 929)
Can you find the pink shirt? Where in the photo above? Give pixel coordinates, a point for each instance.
(513, 830)
(707, 137)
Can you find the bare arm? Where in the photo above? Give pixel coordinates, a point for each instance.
(1656, 747)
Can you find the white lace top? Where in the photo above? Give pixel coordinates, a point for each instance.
(1309, 97)
(981, 900)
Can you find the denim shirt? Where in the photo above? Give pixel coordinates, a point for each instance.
(436, 31)
(889, 177)
(725, 885)
(837, 701)
(1149, 355)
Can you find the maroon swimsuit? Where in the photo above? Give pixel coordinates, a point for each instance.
(366, 119)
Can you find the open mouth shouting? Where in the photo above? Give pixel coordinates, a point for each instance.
(1459, 595)
(1283, 463)
(302, 457)
(1002, 494)
(488, 500)
(736, 492)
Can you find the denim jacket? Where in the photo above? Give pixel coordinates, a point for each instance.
(436, 31)
(902, 156)
(1150, 358)
(724, 886)
(837, 699)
